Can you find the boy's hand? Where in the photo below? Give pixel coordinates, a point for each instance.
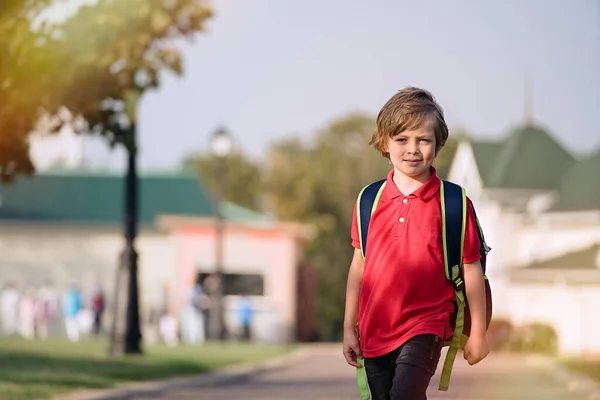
(351, 347)
(476, 349)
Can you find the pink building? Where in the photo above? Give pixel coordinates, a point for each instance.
(66, 227)
(262, 259)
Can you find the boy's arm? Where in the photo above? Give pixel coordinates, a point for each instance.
(476, 348)
(475, 291)
(353, 290)
(351, 345)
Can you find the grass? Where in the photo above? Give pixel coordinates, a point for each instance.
(44, 369)
(587, 367)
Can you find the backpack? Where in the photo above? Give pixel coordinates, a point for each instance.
(454, 217)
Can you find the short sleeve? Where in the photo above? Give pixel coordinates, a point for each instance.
(354, 230)
(472, 244)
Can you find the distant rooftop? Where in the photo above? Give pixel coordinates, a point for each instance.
(580, 186)
(88, 196)
(527, 158)
(580, 267)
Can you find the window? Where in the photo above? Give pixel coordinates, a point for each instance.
(239, 284)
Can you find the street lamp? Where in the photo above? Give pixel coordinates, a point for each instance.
(126, 336)
(220, 145)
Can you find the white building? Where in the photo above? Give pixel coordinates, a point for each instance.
(539, 208)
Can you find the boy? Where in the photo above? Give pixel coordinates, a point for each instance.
(399, 294)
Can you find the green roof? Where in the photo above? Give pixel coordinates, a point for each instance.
(485, 156)
(528, 158)
(580, 187)
(235, 212)
(580, 259)
(86, 196)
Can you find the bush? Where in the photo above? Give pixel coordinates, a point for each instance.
(536, 338)
(499, 334)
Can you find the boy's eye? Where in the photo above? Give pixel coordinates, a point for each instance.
(425, 140)
(401, 140)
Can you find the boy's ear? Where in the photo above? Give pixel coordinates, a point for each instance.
(386, 146)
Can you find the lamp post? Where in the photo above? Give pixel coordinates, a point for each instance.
(220, 146)
(125, 337)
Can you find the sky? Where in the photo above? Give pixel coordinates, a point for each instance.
(269, 69)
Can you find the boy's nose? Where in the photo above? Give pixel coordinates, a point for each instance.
(413, 148)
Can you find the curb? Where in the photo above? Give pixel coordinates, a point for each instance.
(575, 382)
(227, 374)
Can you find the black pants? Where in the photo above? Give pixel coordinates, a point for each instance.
(404, 373)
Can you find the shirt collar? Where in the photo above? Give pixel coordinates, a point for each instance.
(424, 193)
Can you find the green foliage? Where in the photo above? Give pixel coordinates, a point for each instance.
(318, 184)
(24, 62)
(120, 48)
(535, 338)
(445, 157)
(243, 177)
(96, 64)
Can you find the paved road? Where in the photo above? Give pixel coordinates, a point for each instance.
(323, 375)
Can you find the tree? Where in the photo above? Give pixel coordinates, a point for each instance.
(318, 184)
(123, 47)
(96, 64)
(107, 56)
(446, 155)
(244, 177)
(25, 77)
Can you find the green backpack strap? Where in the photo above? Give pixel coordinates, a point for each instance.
(366, 204)
(361, 377)
(454, 218)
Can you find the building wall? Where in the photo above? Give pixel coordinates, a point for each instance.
(516, 242)
(519, 239)
(463, 171)
(31, 255)
(571, 310)
(499, 234)
(498, 227)
(555, 234)
(271, 254)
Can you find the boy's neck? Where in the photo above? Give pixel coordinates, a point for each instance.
(408, 184)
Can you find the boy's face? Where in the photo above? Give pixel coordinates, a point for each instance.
(412, 152)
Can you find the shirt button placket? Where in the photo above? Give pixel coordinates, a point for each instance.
(404, 201)
(401, 220)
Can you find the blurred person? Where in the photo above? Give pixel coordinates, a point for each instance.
(399, 293)
(97, 307)
(210, 286)
(9, 306)
(245, 313)
(85, 321)
(27, 314)
(193, 320)
(72, 305)
(46, 309)
(167, 327)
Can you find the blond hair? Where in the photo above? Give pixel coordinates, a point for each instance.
(409, 109)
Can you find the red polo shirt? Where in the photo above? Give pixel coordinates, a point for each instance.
(404, 291)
